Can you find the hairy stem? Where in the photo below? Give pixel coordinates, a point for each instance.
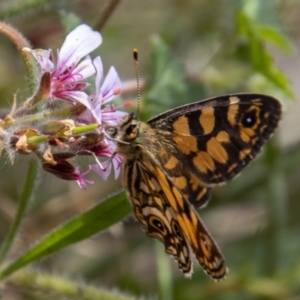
(20, 42)
(44, 284)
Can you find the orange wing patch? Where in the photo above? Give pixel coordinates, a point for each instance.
(207, 120)
(185, 143)
(204, 162)
(217, 151)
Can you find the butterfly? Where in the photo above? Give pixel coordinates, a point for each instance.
(172, 162)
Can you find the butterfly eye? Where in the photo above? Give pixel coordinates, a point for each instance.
(111, 131)
(249, 119)
(130, 129)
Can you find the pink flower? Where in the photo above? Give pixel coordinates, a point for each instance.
(98, 111)
(81, 181)
(116, 162)
(111, 88)
(66, 80)
(73, 67)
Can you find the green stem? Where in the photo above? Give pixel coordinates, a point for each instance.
(23, 204)
(35, 140)
(44, 284)
(107, 12)
(164, 273)
(63, 113)
(275, 201)
(85, 128)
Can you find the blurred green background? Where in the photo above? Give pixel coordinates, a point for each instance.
(188, 50)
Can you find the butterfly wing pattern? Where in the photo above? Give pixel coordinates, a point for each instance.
(216, 138)
(172, 162)
(166, 215)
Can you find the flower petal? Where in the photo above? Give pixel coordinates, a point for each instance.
(112, 85)
(43, 57)
(102, 173)
(117, 162)
(73, 97)
(112, 117)
(79, 43)
(83, 70)
(99, 73)
(81, 181)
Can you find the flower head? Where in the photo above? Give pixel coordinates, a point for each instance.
(75, 128)
(73, 66)
(100, 112)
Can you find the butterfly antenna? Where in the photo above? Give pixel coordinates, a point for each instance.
(137, 75)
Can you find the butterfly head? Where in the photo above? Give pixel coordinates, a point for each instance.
(125, 132)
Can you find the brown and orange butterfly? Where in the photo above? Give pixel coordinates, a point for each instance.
(172, 161)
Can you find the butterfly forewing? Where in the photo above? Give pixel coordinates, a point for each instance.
(216, 138)
(172, 161)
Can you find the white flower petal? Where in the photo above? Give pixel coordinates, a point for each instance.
(76, 96)
(113, 117)
(99, 73)
(117, 161)
(111, 85)
(78, 43)
(100, 172)
(84, 69)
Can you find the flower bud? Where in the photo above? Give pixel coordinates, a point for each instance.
(19, 140)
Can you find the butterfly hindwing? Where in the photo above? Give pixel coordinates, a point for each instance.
(204, 247)
(167, 216)
(155, 214)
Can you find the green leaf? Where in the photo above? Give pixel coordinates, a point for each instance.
(276, 37)
(261, 12)
(261, 59)
(99, 218)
